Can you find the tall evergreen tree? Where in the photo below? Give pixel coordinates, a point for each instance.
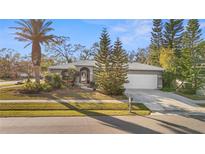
(157, 37)
(156, 42)
(173, 35)
(102, 65)
(119, 61)
(192, 54)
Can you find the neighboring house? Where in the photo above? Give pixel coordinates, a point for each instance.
(140, 76)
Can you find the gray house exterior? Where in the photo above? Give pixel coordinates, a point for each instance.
(140, 76)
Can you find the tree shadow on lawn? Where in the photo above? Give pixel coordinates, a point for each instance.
(113, 122)
(78, 93)
(65, 93)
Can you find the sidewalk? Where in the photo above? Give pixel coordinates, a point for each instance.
(63, 100)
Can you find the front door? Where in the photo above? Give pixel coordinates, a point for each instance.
(84, 76)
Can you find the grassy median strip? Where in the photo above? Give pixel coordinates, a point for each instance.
(69, 109)
(62, 113)
(70, 106)
(201, 104)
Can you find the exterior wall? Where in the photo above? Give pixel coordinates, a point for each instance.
(58, 71)
(140, 78)
(159, 81)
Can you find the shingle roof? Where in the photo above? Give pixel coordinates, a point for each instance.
(132, 66)
(143, 67)
(64, 66)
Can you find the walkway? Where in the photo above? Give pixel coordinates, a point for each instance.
(63, 100)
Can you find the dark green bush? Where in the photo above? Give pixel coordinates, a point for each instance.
(93, 85)
(57, 82)
(48, 78)
(54, 80)
(46, 87)
(187, 88)
(169, 80)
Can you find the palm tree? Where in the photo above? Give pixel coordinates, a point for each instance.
(34, 31)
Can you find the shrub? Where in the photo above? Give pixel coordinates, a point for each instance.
(187, 89)
(57, 82)
(70, 76)
(48, 78)
(54, 80)
(93, 85)
(46, 87)
(31, 87)
(169, 80)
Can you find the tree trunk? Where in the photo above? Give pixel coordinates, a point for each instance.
(36, 60)
(37, 73)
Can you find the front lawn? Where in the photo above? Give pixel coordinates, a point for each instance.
(70, 106)
(65, 93)
(194, 97)
(11, 84)
(70, 109)
(6, 85)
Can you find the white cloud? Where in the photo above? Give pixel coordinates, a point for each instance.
(119, 29)
(133, 31)
(202, 24)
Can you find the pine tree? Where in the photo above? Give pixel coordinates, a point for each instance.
(119, 61)
(156, 39)
(156, 42)
(173, 35)
(192, 54)
(102, 65)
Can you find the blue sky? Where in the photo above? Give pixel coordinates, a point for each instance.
(133, 33)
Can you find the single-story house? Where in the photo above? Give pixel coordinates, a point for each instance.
(140, 76)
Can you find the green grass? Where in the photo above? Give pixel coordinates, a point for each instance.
(202, 105)
(5, 85)
(69, 109)
(65, 93)
(8, 85)
(194, 97)
(70, 113)
(70, 106)
(167, 89)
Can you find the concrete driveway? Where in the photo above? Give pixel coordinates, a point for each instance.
(161, 101)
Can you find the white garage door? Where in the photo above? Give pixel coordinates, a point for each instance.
(141, 81)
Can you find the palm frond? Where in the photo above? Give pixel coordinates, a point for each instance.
(33, 29)
(27, 44)
(21, 39)
(24, 35)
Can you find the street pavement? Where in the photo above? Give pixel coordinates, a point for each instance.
(152, 124)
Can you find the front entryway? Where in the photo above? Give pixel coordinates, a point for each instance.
(84, 75)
